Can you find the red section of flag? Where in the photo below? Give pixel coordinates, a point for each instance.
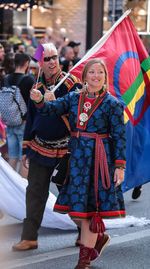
(117, 53)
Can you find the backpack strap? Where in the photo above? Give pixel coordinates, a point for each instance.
(18, 105)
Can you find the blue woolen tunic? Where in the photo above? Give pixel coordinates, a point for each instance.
(77, 196)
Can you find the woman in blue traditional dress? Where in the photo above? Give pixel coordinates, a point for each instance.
(96, 168)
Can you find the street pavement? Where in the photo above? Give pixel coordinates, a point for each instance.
(128, 249)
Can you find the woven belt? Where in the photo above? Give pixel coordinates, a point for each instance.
(100, 160)
(61, 143)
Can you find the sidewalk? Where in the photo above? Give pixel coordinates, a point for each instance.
(56, 247)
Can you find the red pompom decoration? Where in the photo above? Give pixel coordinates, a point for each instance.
(97, 225)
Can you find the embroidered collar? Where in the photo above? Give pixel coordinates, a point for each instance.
(83, 117)
(53, 80)
(96, 94)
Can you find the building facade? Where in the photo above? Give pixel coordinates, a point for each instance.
(80, 20)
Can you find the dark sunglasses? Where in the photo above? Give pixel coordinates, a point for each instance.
(47, 59)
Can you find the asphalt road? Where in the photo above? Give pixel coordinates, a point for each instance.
(128, 249)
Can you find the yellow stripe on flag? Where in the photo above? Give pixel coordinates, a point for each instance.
(148, 73)
(126, 118)
(136, 98)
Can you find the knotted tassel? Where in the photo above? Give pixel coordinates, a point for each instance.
(97, 225)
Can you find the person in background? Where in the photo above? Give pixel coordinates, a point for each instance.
(2, 135)
(9, 63)
(76, 50)
(2, 144)
(98, 143)
(34, 69)
(68, 54)
(2, 55)
(66, 61)
(30, 50)
(66, 65)
(45, 143)
(19, 48)
(17, 36)
(29, 38)
(15, 133)
(48, 36)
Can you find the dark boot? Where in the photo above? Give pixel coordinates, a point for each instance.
(101, 243)
(84, 257)
(137, 192)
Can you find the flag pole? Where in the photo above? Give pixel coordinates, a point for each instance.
(60, 82)
(94, 48)
(103, 39)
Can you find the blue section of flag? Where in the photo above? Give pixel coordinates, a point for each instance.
(139, 105)
(138, 152)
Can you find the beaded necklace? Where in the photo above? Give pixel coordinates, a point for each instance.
(87, 107)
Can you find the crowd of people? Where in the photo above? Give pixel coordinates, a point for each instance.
(21, 42)
(81, 117)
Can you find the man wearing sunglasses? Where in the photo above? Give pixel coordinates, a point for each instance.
(45, 143)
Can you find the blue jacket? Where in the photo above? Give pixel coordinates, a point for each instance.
(46, 137)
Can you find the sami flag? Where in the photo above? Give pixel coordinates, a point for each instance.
(128, 66)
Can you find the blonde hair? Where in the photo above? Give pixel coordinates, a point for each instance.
(89, 64)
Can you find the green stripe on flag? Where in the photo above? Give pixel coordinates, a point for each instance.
(129, 94)
(146, 64)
